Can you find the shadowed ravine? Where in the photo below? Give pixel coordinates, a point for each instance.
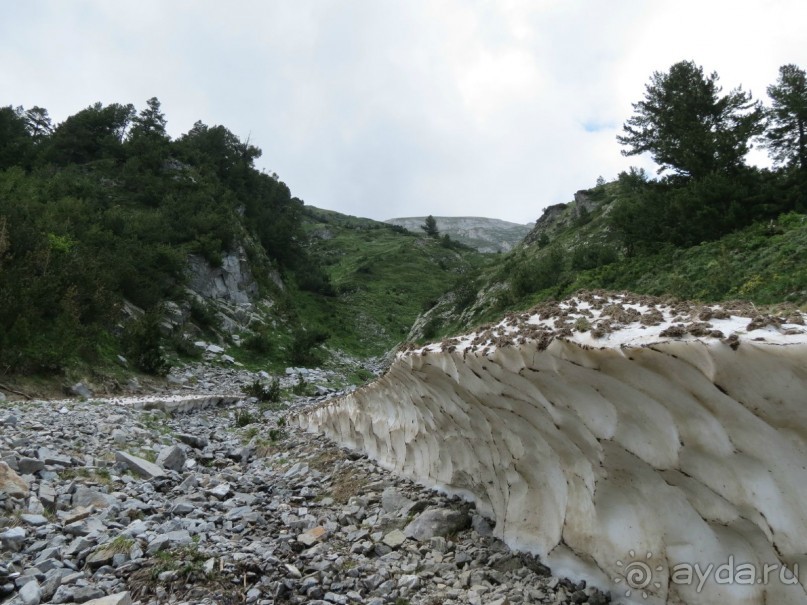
(647, 452)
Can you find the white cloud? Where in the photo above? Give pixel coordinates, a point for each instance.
(381, 108)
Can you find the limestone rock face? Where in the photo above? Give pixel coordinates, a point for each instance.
(650, 443)
(231, 282)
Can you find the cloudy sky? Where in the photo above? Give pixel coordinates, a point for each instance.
(386, 108)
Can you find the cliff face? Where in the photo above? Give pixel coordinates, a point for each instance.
(628, 442)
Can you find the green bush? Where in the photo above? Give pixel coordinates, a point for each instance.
(304, 346)
(593, 255)
(262, 392)
(204, 315)
(185, 346)
(432, 327)
(260, 342)
(534, 276)
(243, 418)
(143, 345)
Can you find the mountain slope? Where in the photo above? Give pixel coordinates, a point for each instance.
(574, 246)
(483, 234)
(383, 277)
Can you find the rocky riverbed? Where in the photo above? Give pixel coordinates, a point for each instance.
(106, 502)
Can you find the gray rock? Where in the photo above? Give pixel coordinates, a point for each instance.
(63, 594)
(394, 538)
(172, 458)
(53, 579)
(31, 593)
(437, 522)
(221, 491)
(298, 468)
(101, 556)
(168, 540)
(481, 525)
(84, 497)
(87, 594)
(29, 466)
(193, 440)
(34, 520)
(80, 390)
(293, 571)
(47, 495)
(13, 539)
(138, 465)
(392, 500)
(48, 456)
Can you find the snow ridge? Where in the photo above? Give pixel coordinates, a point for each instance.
(608, 432)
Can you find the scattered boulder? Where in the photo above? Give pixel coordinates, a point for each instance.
(84, 498)
(172, 458)
(30, 593)
(80, 390)
(437, 522)
(12, 539)
(11, 483)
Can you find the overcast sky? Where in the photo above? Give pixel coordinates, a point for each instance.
(385, 109)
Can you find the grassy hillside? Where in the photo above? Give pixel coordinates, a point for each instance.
(577, 248)
(383, 277)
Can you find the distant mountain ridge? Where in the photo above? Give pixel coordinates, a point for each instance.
(484, 234)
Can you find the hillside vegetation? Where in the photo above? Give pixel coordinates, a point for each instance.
(101, 214)
(383, 277)
(710, 229)
(117, 240)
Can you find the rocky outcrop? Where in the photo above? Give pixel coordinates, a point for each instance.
(653, 449)
(230, 290)
(231, 282)
(553, 218)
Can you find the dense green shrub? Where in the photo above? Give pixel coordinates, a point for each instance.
(143, 344)
(593, 255)
(304, 346)
(543, 273)
(260, 342)
(264, 392)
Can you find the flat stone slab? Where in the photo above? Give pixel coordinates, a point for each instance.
(121, 598)
(140, 466)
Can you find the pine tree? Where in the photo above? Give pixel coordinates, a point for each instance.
(688, 127)
(786, 135)
(430, 227)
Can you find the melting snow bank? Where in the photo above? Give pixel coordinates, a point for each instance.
(656, 450)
